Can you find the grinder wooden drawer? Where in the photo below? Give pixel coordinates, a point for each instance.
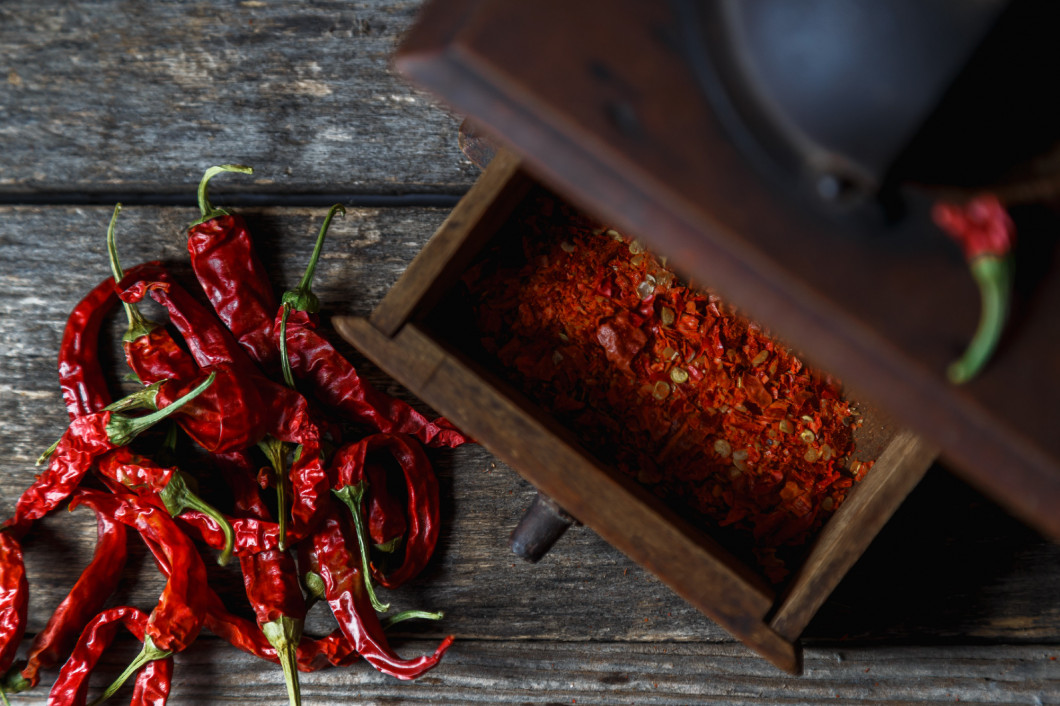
(407, 337)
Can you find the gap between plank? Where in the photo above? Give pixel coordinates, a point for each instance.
(235, 199)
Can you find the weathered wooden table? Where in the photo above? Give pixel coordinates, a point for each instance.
(108, 101)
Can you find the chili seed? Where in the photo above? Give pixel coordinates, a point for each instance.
(679, 375)
(740, 455)
(812, 454)
(567, 247)
(613, 234)
(637, 260)
(826, 453)
(807, 418)
(808, 436)
(827, 504)
(722, 447)
(762, 357)
(661, 390)
(563, 337)
(636, 247)
(740, 463)
(645, 289)
(786, 426)
(669, 353)
(667, 316)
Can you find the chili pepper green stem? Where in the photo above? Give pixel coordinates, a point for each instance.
(396, 618)
(149, 653)
(141, 399)
(301, 298)
(122, 429)
(3, 696)
(285, 362)
(391, 546)
(13, 682)
(276, 451)
(284, 633)
(138, 325)
(314, 585)
(208, 210)
(178, 497)
(353, 496)
(993, 275)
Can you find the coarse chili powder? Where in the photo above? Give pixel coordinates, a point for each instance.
(663, 381)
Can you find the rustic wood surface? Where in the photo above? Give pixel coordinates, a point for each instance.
(102, 101)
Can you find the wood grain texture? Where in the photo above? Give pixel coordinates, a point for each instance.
(652, 674)
(140, 97)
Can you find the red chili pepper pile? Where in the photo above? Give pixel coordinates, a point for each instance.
(255, 396)
(664, 381)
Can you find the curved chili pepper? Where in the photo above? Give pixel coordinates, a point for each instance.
(336, 383)
(175, 621)
(209, 342)
(86, 439)
(232, 276)
(308, 356)
(150, 350)
(153, 683)
(328, 554)
(302, 298)
(71, 688)
(95, 584)
(423, 513)
(80, 374)
(271, 582)
(14, 598)
(144, 477)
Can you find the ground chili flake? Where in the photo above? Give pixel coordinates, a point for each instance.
(664, 382)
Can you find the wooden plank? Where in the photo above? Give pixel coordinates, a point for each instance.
(106, 99)
(846, 536)
(459, 239)
(648, 674)
(697, 568)
(970, 573)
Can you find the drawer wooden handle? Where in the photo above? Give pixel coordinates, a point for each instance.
(543, 523)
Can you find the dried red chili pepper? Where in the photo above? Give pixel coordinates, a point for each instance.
(348, 469)
(209, 342)
(14, 599)
(142, 476)
(328, 555)
(71, 688)
(150, 350)
(175, 621)
(271, 582)
(86, 439)
(80, 375)
(235, 282)
(333, 380)
(95, 584)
